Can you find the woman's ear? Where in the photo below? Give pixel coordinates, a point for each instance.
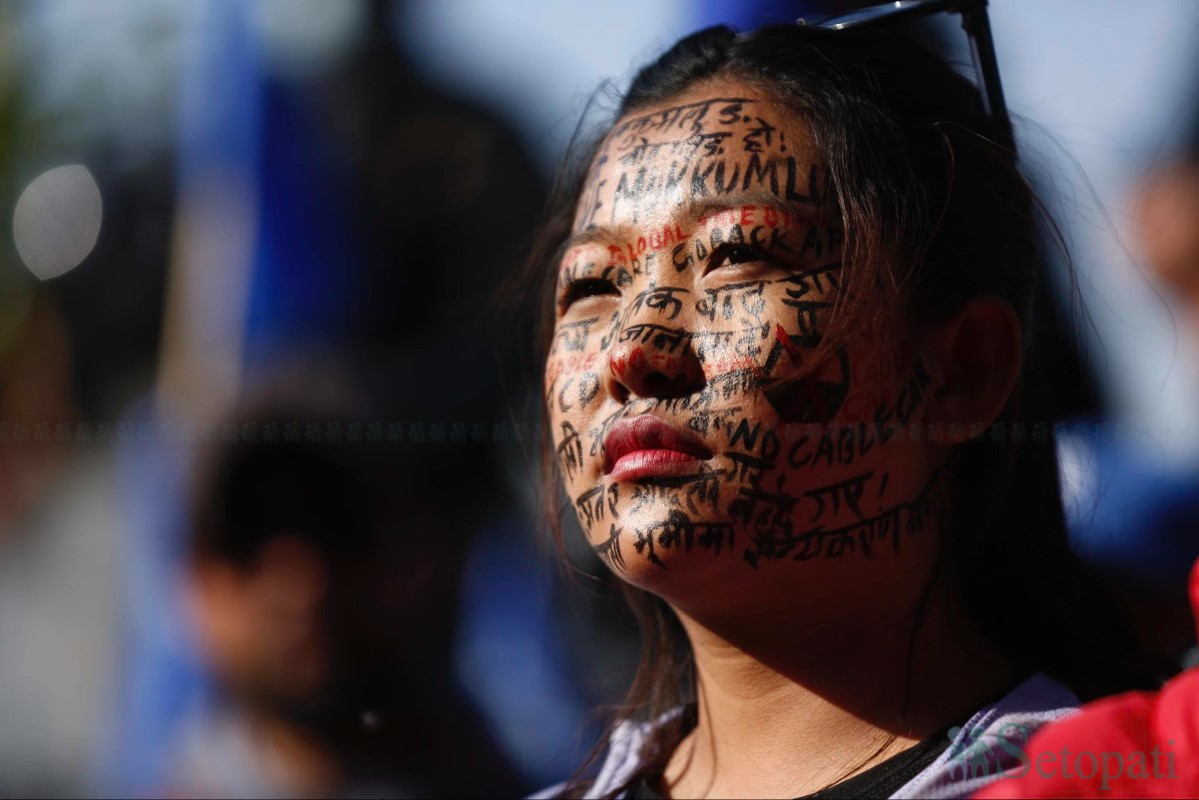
(975, 360)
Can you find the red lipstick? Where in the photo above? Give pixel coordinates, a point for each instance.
(645, 446)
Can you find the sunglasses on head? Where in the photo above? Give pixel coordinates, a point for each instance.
(978, 31)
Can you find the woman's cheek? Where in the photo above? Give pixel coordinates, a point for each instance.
(573, 396)
(576, 391)
(880, 367)
(871, 382)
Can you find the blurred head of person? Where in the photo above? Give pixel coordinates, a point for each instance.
(323, 577)
(288, 554)
(1167, 204)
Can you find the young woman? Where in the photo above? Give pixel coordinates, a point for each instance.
(791, 384)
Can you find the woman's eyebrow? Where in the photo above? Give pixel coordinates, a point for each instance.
(596, 235)
(710, 206)
(687, 215)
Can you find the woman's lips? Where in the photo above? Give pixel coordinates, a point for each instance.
(649, 463)
(645, 446)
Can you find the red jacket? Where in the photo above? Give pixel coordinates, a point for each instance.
(1140, 744)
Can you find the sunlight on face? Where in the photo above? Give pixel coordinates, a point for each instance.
(707, 414)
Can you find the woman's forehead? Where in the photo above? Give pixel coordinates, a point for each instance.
(714, 143)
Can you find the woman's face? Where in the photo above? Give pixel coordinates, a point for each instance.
(723, 418)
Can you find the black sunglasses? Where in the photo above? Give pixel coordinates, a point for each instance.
(978, 30)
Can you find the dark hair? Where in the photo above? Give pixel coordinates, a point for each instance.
(249, 489)
(936, 212)
(303, 454)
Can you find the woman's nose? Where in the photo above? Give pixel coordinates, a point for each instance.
(650, 359)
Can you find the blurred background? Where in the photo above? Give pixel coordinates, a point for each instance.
(269, 521)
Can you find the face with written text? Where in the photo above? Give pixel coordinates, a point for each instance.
(730, 402)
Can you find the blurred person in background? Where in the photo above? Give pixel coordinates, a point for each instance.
(352, 205)
(1134, 516)
(323, 579)
(794, 358)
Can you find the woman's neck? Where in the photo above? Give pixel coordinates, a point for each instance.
(784, 712)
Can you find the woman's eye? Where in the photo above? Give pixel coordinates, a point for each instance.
(584, 288)
(733, 254)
